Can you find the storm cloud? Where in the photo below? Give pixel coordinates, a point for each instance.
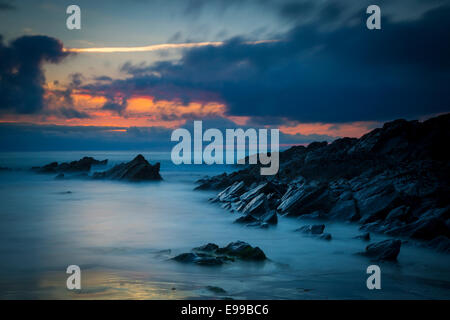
(311, 75)
(21, 73)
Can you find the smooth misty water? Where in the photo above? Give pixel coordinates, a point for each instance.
(122, 235)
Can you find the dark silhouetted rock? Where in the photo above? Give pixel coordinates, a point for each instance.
(242, 250)
(270, 217)
(210, 247)
(212, 255)
(138, 169)
(384, 250)
(393, 180)
(83, 165)
(364, 236)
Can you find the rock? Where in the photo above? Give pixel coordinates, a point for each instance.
(383, 250)
(198, 259)
(377, 206)
(210, 247)
(326, 236)
(307, 199)
(270, 218)
(212, 255)
(343, 210)
(248, 218)
(233, 191)
(5, 169)
(393, 180)
(265, 187)
(243, 251)
(364, 236)
(83, 165)
(441, 243)
(257, 205)
(312, 229)
(400, 213)
(138, 169)
(217, 290)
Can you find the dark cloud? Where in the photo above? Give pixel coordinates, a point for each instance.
(6, 6)
(21, 72)
(103, 78)
(118, 107)
(311, 75)
(296, 9)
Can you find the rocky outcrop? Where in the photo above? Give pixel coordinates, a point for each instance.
(83, 165)
(383, 250)
(213, 255)
(393, 180)
(138, 169)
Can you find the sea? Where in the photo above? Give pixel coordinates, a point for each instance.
(124, 235)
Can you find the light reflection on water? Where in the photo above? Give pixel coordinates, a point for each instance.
(122, 236)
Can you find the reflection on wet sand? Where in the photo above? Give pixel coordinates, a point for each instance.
(109, 284)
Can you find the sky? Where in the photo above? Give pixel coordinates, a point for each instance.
(137, 70)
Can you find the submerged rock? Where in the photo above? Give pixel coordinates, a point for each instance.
(199, 259)
(213, 255)
(217, 290)
(242, 250)
(83, 165)
(138, 169)
(384, 250)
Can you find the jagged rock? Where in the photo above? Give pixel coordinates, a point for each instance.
(377, 206)
(82, 165)
(242, 250)
(138, 169)
(265, 187)
(306, 199)
(383, 250)
(312, 229)
(424, 229)
(441, 243)
(233, 191)
(400, 213)
(270, 217)
(393, 180)
(210, 247)
(257, 205)
(212, 255)
(364, 236)
(343, 209)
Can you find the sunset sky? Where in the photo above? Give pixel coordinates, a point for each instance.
(139, 69)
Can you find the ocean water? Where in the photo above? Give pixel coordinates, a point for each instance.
(122, 235)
